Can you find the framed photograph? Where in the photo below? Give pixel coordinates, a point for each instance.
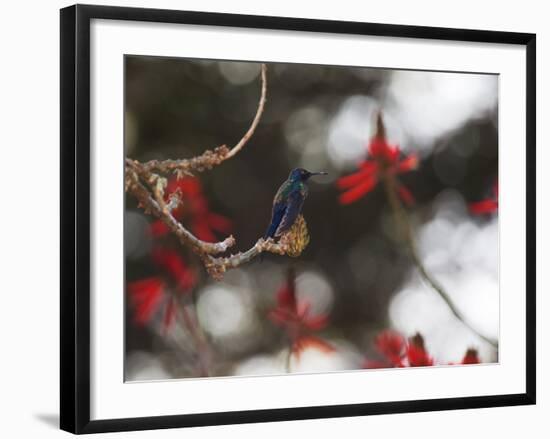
(268, 218)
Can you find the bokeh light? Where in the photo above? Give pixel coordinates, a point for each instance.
(463, 254)
(431, 104)
(223, 311)
(239, 73)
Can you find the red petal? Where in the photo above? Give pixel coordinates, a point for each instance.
(418, 357)
(391, 344)
(145, 310)
(353, 179)
(367, 169)
(369, 166)
(483, 207)
(189, 186)
(158, 228)
(380, 149)
(358, 191)
(471, 357)
(140, 289)
(173, 263)
(405, 195)
(392, 154)
(416, 352)
(286, 296)
(316, 323)
(408, 164)
(146, 296)
(286, 310)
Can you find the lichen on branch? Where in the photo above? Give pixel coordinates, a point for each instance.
(292, 243)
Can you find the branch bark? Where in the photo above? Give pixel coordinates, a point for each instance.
(152, 206)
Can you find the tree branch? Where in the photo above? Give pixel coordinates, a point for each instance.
(216, 267)
(211, 158)
(152, 206)
(292, 243)
(152, 199)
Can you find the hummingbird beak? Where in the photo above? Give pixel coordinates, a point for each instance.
(319, 173)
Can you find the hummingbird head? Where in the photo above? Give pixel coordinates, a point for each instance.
(300, 174)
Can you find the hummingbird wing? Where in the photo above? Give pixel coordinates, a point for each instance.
(294, 206)
(279, 209)
(276, 216)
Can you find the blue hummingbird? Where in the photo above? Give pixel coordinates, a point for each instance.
(288, 202)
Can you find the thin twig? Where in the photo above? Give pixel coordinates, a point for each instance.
(217, 266)
(201, 346)
(403, 223)
(288, 358)
(209, 158)
(256, 120)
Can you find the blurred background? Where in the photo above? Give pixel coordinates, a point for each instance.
(354, 271)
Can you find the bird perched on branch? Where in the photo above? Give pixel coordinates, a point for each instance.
(288, 202)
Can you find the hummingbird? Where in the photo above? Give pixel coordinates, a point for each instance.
(288, 202)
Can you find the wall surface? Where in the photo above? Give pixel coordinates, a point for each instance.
(29, 178)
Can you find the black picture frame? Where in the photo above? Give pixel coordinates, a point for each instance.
(75, 217)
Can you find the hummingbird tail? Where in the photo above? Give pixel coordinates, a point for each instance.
(270, 233)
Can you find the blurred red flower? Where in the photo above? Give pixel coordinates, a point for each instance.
(193, 209)
(152, 295)
(392, 346)
(487, 206)
(416, 352)
(295, 317)
(471, 357)
(383, 159)
(399, 352)
(146, 295)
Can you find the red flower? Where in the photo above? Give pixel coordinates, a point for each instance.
(193, 209)
(383, 159)
(471, 357)
(171, 262)
(487, 206)
(392, 346)
(146, 296)
(416, 352)
(152, 295)
(398, 352)
(295, 317)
